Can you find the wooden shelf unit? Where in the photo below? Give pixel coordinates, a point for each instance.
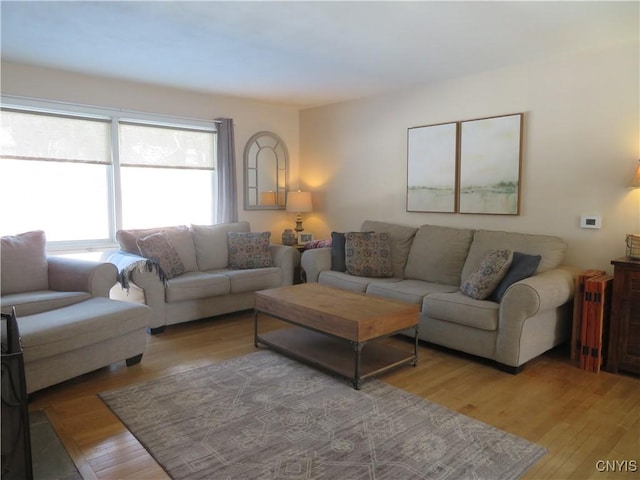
(624, 334)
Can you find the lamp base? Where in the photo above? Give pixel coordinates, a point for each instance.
(299, 227)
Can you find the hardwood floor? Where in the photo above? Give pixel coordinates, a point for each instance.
(582, 418)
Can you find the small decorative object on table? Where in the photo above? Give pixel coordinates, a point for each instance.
(288, 237)
(304, 238)
(633, 246)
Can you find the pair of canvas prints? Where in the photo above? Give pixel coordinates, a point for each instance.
(470, 166)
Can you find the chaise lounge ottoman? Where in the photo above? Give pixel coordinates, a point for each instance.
(63, 343)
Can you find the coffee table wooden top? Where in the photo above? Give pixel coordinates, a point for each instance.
(350, 315)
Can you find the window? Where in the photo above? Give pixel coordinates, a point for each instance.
(79, 177)
(167, 176)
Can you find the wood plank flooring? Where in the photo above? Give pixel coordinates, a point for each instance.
(580, 417)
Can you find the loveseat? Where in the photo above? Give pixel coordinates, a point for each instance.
(193, 272)
(448, 272)
(67, 324)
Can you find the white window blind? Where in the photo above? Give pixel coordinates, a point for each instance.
(55, 174)
(79, 176)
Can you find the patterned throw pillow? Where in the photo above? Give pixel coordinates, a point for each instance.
(158, 247)
(368, 254)
(522, 266)
(488, 275)
(249, 249)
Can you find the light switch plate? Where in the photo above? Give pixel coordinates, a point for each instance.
(590, 221)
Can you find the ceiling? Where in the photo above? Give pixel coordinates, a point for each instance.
(304, 54)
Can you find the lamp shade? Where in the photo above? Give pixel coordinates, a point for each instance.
(299, 202)
(635, 182)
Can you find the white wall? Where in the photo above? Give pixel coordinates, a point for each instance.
(581, 146)
(249, 117)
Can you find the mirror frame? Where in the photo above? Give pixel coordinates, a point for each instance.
(255, 139)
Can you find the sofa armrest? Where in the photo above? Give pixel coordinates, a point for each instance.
(539, 292)
(75, 275)
(527, 298)
(315, 261)
(122, 260)
(288, 259)
(134, 269)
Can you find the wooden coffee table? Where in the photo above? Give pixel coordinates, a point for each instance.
(335, 329)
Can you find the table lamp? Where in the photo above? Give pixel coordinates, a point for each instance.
(299, 202)
(633, 241)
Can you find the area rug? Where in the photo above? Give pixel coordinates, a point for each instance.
(264, 416)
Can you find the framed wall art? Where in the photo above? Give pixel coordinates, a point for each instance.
(431, 168)
(490, 161)
(304, 238)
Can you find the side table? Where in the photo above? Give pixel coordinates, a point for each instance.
(298, 272)
(624, 336)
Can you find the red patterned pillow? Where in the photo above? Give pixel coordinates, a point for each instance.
(158, 247)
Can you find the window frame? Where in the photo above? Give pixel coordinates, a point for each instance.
(115, 117)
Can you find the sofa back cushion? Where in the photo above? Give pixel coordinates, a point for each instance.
(23, 263)
(438, 254)
(551, 249)
(212, 250)
(400, 236)
(180, 237)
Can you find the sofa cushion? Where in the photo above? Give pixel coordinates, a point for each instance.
(483, 281)
(30, 303)
(23, 263)
(410, 291)
(250, 280)
(212, 251)
(158, 247)
(522, 266)
(438, 254)
(458, 308)
(551, 249)
(183, 243)
(249, 249)
(80, 325)
(338, 240)
(350, 282)
(368, 254)
(401, 238)
(180, 237)
(196, 285)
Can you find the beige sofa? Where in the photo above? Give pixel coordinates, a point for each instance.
(207, 284)
(429, 265)
(67, 323)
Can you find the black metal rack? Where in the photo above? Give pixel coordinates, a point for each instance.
(16, 438)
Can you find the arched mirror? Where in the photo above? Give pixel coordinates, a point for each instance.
(266, 163)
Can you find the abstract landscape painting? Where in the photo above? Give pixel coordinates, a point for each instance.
(431, 168)
(490, 157)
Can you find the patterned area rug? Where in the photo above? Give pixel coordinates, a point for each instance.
(264, 416)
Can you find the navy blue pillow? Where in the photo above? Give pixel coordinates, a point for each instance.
(338, 241)
(522, 266)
